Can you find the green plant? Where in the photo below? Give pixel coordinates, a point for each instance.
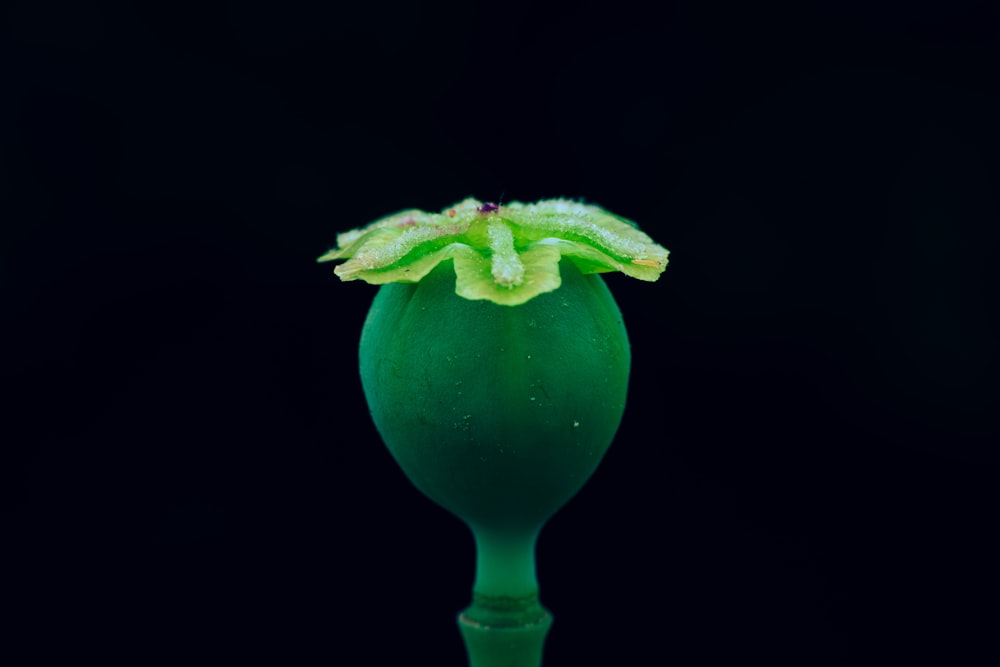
(495, 364)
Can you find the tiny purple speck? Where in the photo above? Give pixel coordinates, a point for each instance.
(488, 207)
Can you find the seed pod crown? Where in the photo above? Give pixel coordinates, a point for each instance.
(505, 253)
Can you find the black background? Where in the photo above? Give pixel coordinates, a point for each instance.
(806, 472)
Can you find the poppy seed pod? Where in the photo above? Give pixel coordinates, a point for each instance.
(495, 364)
(499, 414)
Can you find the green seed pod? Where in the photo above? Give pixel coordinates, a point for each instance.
(495, 364)
(499, 414)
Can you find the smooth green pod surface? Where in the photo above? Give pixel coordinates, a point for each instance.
(497, 413)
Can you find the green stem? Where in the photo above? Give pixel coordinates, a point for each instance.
(505, 563)
(506, 624)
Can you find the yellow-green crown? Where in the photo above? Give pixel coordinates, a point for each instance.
(505, 253)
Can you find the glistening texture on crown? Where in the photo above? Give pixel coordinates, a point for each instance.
(505, 253)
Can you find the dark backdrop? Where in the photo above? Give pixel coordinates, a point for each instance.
(805, 474)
